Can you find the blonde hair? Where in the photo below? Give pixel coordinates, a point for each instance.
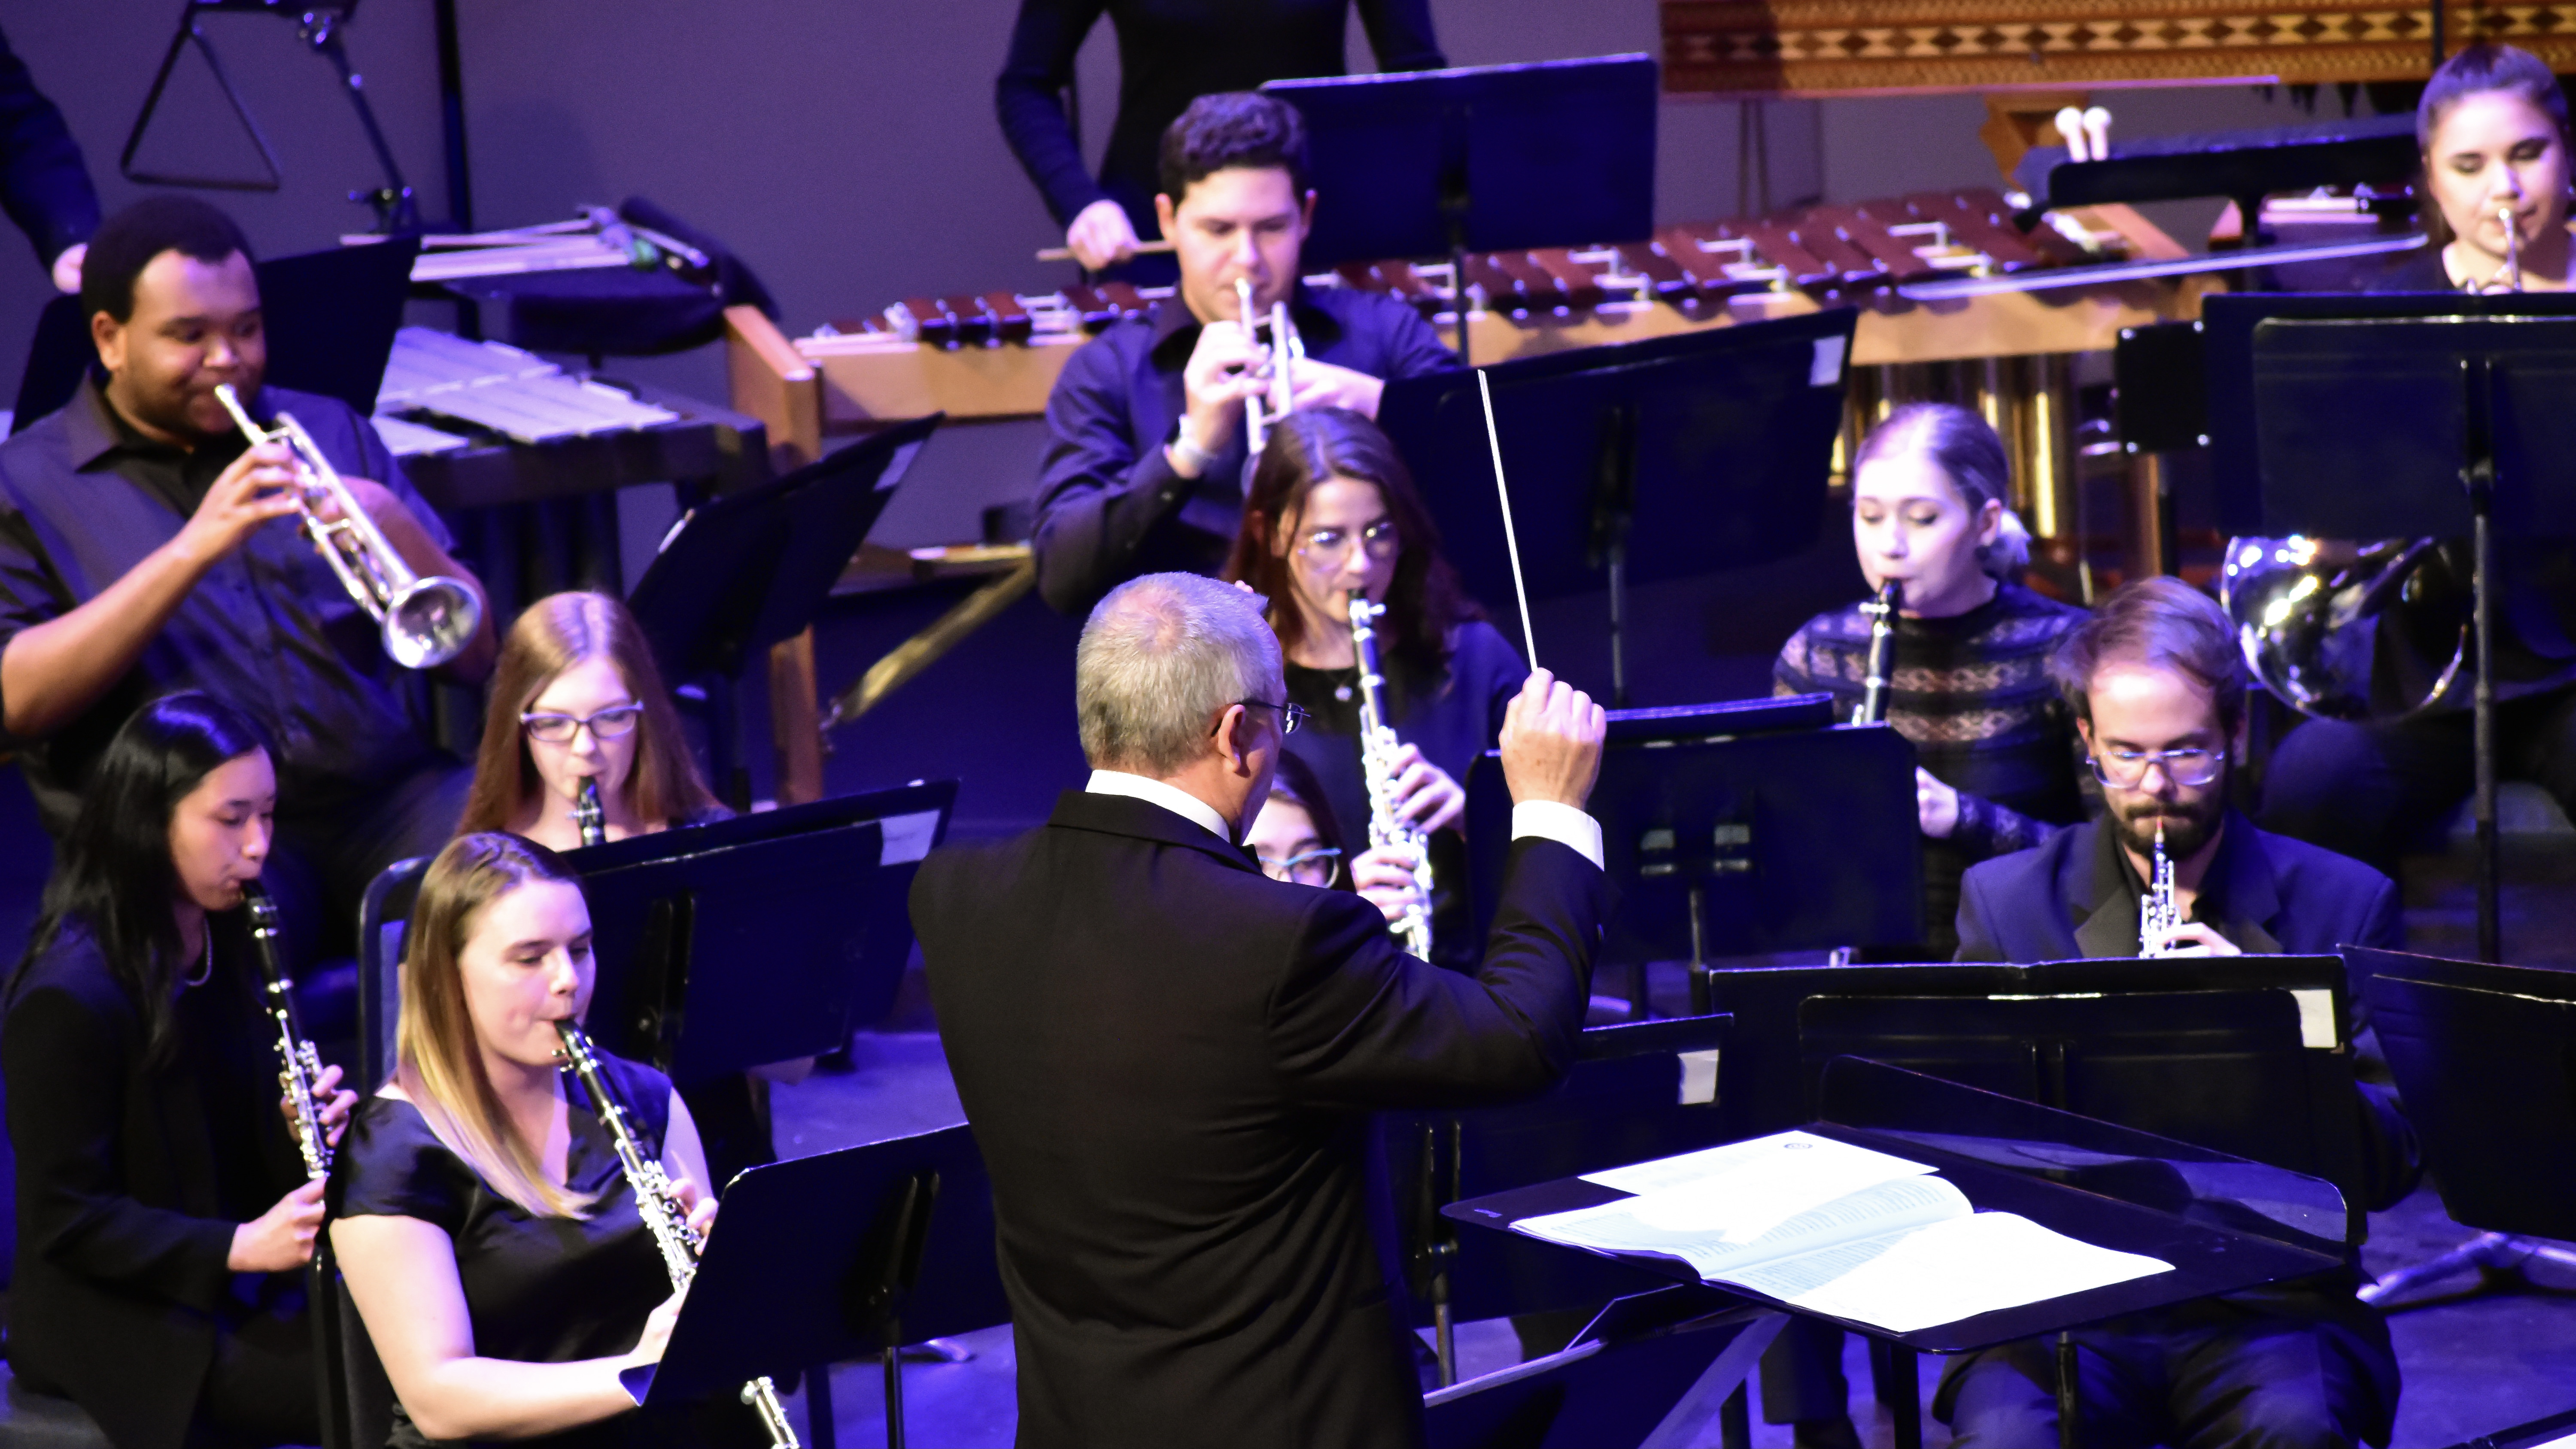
(554, 634)
(1966, 450)
(436, 1061)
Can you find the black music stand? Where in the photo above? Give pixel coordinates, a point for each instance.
(330, 318)
(1725, 844)
(758, 939)
(752, 568)
(2402, 415)
(1492, 158)
(819, 1260)
(2224, 1224)
(1650, 1368)
(1663, 459)
(2480, 1053)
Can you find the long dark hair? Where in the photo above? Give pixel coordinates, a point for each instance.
(113, 876)
(1425, 603)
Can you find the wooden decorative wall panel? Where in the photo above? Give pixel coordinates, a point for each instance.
(1859, 46)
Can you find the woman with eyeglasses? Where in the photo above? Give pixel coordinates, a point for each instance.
(1333, 516)
(576, 697)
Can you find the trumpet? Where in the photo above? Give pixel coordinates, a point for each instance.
(427, 621)
(1285, 348)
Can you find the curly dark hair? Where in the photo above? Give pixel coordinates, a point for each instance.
(1233, 128)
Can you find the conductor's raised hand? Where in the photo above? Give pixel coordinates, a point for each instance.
(257, 486)
(1552, 742)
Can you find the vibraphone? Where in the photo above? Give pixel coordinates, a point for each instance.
(995, 355)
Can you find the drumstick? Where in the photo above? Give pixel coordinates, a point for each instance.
(1065, 254)
(1511, 540)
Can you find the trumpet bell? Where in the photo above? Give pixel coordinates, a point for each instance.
(430, 621)
(2337, 630)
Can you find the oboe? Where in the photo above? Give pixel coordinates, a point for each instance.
(2158, 917)
(299, 1065)
(586, 815)
(1378, 745)
(659, 1205)
(1882, 637)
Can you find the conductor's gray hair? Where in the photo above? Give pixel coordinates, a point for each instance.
(1160, 658)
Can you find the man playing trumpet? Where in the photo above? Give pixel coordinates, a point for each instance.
(139, 555)
(1145, 466)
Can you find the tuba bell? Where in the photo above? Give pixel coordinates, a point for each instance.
(2351, 631)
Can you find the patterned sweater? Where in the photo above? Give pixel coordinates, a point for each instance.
(1972, 692)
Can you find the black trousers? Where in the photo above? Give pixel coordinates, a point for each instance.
(261, 1389)
(329, 848)
(2371, 790)
(2201, 1376)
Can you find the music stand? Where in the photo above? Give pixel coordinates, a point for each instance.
(1664, 459)
(752, 568)
(818, 1260)
(1488, 158)
(1737, 844)
(2403, 415)
(2480, 1053)
(330, 319)
(1647, 1371)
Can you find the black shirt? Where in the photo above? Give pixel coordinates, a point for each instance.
(1109, 506)
(269, 630)
(538, 1289)
(1171, 52)
(43, 183)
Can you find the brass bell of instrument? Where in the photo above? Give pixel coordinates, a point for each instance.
(2351, 631)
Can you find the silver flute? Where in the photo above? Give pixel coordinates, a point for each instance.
(586, 814)
(1378, 746)
(659, 1205)
(299, 1065)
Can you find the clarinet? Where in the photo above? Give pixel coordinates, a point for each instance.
(586, 814)
(2158, 917)
(659, 1206)
(299, 1065)
(1378, 745)
(1882, 637)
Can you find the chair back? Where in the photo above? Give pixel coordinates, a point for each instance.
(382, 915)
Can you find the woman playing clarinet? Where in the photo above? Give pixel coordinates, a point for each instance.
(163, 1213)
(1333, 517)
(577, 702)
(480, 1216)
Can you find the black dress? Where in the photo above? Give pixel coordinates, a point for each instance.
(538, 1290)
(132, 1173)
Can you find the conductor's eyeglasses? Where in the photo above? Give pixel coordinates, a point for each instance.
(614, 722)
(1332, 545)
(1290, 715)
(1318, 867)
(2127, 769)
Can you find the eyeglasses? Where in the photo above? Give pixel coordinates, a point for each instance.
(1332, 545)
(1290, 715)
(2127, 769)
(1318, 867)
(614, 722)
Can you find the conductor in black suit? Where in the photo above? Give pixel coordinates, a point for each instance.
(2158, 689)
(1167, 1056)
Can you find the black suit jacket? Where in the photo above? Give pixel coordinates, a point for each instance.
(2073, 898)
(124, 1174)
(1165, 1056)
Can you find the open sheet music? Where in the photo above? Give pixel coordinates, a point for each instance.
(1838, 1230)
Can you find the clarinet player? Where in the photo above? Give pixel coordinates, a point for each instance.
(163, 1211)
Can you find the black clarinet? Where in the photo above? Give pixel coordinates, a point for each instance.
(299, 1065)
(1882, 638)
(586, 815)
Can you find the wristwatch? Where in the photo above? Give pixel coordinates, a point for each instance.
(1187, 452)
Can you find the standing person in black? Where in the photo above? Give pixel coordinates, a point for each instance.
(162, 1210)
(1333, 516)
(1167, 1057)
(44, 185)
(481, 1219)
(1169, 54)
(2493, 126)
(141, 551)
(1148, 453)
(2158, 687)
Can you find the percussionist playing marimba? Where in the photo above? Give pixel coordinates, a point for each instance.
(1144, 471)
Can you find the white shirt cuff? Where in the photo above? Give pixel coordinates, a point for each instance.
(1561, 823)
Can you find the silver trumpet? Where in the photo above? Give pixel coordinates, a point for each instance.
(427, 621)
(1378, 745)
(299, 1065)
(658, 1203)
(1285, 348)
(587, 816)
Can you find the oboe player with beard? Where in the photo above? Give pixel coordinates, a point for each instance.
(2158, 689)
